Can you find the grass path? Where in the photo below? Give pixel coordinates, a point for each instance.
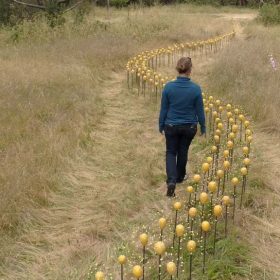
(103, 192)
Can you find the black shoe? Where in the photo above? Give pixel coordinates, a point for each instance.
(170, 190)
(180, 180)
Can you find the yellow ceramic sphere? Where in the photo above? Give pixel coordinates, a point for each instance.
(249, 139)
(162, 223)
(206, 109)
(177, 205)
(191, 246)
(245, 150)
(196, 178)
(226, 200)
(205, 166)
(234, 181)
(226, 164)
(180, 230)
(171, 268)
(232, 135)
(241, 117)
(137, 271)
(215, 114)
(214, 149)
(205, 225)
(192, 212)
(209, 160)
(221, 109)
(122, 259)
(144, 239)
(236, 111)
(190, 189)
(220, 126)
(226, 153)
(234, 128)
(246, 124)
(217, 139)
(244, 171)
(212, 186)
(220, 173)
(218, 102)
(217, 120)
(159, 248)
(231, 121)
(230, 145)
(218, 132)
(248, 132)
(229, 115)
(246, 161)
(203, 198)
(218, 210)
(99, 275)
(228, 107)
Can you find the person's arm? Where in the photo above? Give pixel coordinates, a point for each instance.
(163, 109)
(200, 112)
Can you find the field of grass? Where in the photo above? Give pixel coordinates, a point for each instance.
(244, 75)
(79, 152)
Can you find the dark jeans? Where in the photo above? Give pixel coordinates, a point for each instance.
(178, 140)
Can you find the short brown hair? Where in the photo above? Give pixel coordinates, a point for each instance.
(184, 65)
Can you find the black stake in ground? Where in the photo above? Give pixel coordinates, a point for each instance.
(234, 182)
(243, 190)
(144, 256)
(244, 172)
(234, 202)
(121, 271)
(190, 270)
(175, 225)
(226, 221)
(178, 256)
(159, 267)
(204, 250)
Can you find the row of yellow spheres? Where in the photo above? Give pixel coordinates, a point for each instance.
(144, 56)
(160, 248)
(149, 75)
(210, 105)
(139, 63)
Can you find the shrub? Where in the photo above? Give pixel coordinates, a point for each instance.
(5, 11)
(270, 14)
(119, 3)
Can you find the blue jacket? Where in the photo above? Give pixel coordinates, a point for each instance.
(182, 103)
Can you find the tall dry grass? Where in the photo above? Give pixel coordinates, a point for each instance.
(249, 78)
(68, 146)
(243, 73)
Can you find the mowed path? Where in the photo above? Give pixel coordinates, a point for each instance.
(107, 192)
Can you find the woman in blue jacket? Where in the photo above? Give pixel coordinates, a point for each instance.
(181, 110)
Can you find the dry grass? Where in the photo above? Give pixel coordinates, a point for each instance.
(249, 78)
(77, 152)
(244, 75)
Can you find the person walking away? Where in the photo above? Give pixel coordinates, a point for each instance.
(181, 109)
